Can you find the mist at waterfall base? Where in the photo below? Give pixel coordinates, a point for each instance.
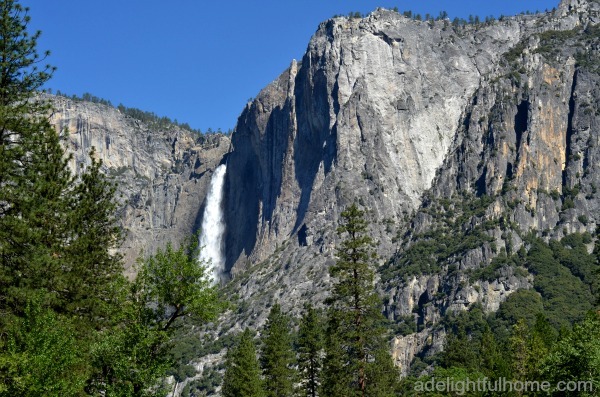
(213, 226)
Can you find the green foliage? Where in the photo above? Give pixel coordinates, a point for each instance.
(336, 378)
(491, 271)
(277, 357)
(451, 236)
(460, 350)
(515, 52)
(576, 357)
(405, 325)
(177, 285)
(566, 298)
(242, 371)
(531, 352)
(20, 74)
(57, 284)
(567, 204)
(521, 341)
(34, 178)
(473, 345)
(356, 343)
(130, 359)
(133, 357)
(552, 40)
(189, 346)
(586, 54)
(571, 252)
(95, 268)
(310, 349)
(33, 221)
(206, 386)
(41, 356)
(522, 304)
(526, 351)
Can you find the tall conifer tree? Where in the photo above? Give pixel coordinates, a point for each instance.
(40, 352)
(242, 371)
(356, 324)
(33, 173)
(277, 356)
(95, 267)
(57, 232)
(310, 351)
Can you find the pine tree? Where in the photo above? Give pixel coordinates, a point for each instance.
(56, 232)
(242, 371)
(20, 75)
(20, 109)
(51, 284)
(33, 173)
(34, 225)
(492, 362)
(310, 351)
(277, 356)
(460, 351)
(93, 235)
(355, 320)
(336, 379)
(528, 348)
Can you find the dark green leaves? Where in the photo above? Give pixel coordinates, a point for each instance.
(242, 372)
(357, 360)
(278, 358)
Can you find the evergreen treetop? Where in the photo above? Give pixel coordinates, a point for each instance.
(310, 351)
(277, 357)
(20, 72)
(242, 371)
(356, 332)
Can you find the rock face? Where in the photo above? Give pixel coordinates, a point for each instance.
(409, 118)
(162, 174)
(370, 112)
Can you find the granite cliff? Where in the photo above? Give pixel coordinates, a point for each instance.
(492, 128)
(163, 174)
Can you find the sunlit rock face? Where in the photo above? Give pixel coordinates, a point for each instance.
(162, 174)
(369, 112)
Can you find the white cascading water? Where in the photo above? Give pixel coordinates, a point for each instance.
(213, 226)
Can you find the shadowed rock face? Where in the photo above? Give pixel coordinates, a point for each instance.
(162, 175)
(397, 114)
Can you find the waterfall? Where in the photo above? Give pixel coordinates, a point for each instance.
(213, 226)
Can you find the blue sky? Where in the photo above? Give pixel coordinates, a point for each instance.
(199, 61)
